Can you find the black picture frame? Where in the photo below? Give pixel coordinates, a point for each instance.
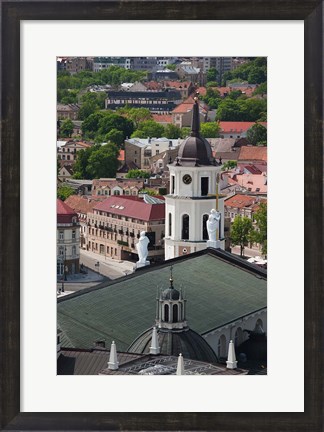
(311, 12)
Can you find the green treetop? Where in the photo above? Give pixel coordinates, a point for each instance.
(241, 231)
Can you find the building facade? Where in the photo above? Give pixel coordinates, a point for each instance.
(115, 225)
(157, 102)
(67, 240)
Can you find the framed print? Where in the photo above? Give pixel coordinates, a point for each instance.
(297, 231)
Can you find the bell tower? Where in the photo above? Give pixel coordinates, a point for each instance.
(194, 177)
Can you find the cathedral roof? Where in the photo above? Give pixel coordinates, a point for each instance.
(173, 342)
(228, 288)
(195, 150)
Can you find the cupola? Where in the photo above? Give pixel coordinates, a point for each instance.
(195, 150)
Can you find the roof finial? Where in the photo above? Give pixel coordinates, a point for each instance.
(154, 348)
(231, 362)
(113, 362)
(171, 277)
(180, 365)
(195, 124)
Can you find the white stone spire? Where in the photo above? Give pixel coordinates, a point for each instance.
(113, 362)
(180, 367)
(154, 348)
(231, 362)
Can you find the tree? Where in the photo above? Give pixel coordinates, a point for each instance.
(261, 90)
(257, 135)
(111, 121)
(81, 163)
(171, 66)
(172, 131)
(63, 192)
(229, 165)
(66, 128)
(185, 132)
(241, 231)
(212, 74)
(87, 109)
(210, 129)
(101, 123)
(148, 191)
(260, 233)
(251, 109)
(115, 136)
(136, 115)
(136, 173)
(149, 128)
(103, 162)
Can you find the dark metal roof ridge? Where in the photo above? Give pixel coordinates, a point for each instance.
(225, 256)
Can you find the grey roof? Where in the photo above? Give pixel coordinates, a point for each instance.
(174, 342)
(219, 288)
(87, 362)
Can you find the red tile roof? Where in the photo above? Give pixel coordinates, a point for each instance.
(253, 153)
(153, 85)
(82, 204)
(133, 207)
(241, 201)
(202, 91)
(188, 104)
(162, 118)
(177, 84)
(121, 156)
(64, 212)
(237, 127)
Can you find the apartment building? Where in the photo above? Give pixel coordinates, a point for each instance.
(115, 224)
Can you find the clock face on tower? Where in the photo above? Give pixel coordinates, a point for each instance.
(186, 179)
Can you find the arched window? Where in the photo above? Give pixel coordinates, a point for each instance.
(185, 227)
(175, 313)
(222, 347)
(204, 227)
(166, 313)
(259, 324)
(238, 337)
(170, 224)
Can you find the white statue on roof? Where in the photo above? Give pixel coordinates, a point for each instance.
(213, 225)
(142, 250)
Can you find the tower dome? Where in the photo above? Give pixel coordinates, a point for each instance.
(195, 150)
(173, 334)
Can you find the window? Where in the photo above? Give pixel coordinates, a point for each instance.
(175, 313)
(61, 251)
(166, 313)
(172, 184)
(204, 186)
(185, 227)
(61, 235)
(73, 250)
(73, 234)
(170, 224)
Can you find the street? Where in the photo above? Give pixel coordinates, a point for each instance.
(108, 267)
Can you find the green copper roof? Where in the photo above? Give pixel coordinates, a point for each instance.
(217, 292)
